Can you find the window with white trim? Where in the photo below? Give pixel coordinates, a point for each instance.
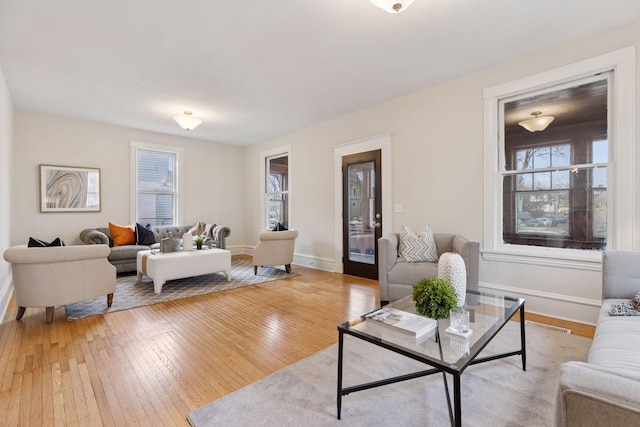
(560, 196)
(277, 190)
(156, 196)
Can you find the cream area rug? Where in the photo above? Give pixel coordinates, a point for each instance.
(129, 293)
(496, 393)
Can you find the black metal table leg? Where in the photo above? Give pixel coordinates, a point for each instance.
(523, 343)
(457, 400)
(339, 401)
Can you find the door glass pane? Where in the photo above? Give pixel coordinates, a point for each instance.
(362, 215)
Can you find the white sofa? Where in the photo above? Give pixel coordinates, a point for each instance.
(51, 276)
(606, 389)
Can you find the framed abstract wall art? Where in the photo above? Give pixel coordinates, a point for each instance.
(69, 189)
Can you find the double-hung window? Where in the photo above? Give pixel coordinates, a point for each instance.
(562, 194)
(156, 195)
(276, 187)
(555, 180)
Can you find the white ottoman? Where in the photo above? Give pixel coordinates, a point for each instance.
(177, 265)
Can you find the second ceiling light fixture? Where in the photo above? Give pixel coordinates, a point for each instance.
(392, 6)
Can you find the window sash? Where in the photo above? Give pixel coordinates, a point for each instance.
(622, 195)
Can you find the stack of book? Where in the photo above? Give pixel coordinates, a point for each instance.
(414, 324)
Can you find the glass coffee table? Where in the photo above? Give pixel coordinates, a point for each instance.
(444, 352)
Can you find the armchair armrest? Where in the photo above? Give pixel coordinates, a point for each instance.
(470, 253)
(219, 235)
(387, 258)
(91, 236)
(594, 395)
(23, 254)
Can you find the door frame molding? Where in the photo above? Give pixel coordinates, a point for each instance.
(380, 142)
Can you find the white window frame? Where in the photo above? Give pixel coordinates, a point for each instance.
(622, 177)
(135, 148)
(284, 150)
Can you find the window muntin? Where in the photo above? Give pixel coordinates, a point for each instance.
(277, 190)
(555, 181)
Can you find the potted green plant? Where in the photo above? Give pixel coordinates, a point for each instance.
(199, 240)
(434, 297)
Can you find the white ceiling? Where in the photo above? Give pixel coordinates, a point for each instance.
(258, 69)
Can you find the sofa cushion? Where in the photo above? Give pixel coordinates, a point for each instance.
(616, 343)
(417, 247)
(122, 234)
(126, 252)
(411, 272)
(144, 235)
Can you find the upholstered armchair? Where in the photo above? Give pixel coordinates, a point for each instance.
(51, 276)
(275, 248)
(396, 278)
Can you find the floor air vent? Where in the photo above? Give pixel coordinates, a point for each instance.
(549, 327)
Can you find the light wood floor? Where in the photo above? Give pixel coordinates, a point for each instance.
(152, 365)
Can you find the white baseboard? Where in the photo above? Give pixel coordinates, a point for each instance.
(314, 262)
(298, 259)
(575, 309)
(5, 296)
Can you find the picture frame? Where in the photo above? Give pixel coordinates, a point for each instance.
(69, 189)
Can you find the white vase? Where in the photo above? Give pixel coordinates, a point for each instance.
(187, 242)
(451, 268)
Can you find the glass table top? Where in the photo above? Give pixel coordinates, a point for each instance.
(488, 313)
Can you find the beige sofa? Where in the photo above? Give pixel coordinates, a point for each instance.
(396, 278)
(60, 275)
(124, 257)
(606, 389)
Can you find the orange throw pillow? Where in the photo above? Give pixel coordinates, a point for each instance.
(122, 234)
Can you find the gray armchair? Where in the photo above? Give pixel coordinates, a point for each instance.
(396, 278)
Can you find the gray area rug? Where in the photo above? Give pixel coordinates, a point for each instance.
(497, 393)
(129, 293)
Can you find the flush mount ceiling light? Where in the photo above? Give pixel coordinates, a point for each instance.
(187, 121)
(392, 6)
(537, 123)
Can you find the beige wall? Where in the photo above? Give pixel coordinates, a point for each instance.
(437, 173)
(213, 176)
(437, 151)
(6, 140)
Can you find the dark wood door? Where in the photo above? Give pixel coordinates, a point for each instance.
(361, 213)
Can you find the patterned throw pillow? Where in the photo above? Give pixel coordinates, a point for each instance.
(202, 229)
(418, 247)
(623, 309)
